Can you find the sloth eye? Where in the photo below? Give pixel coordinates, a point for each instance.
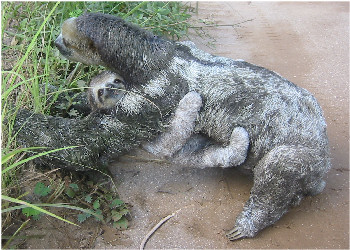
(117, 81)
(65, 42)
(100, 92)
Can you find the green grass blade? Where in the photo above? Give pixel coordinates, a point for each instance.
(135, 9)
(7, 157)
(33, 157)
(18, 66)
(57, 205)
(5, 93)
(14, 235)
(6, 198)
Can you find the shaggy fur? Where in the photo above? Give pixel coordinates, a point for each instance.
(107, 90)
(181, 127)
(288, 145)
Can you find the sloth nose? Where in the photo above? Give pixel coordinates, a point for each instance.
(58, 41)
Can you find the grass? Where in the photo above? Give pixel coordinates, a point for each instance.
(34, 76)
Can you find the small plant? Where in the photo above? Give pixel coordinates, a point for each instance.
(110, 206)
(95, 200)
(99, 200)
(40, 190)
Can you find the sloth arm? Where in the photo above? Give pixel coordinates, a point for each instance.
(98, 137)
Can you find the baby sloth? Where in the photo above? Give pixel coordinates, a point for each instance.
(107, 90)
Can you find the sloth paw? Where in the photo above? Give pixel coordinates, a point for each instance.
(235, 234)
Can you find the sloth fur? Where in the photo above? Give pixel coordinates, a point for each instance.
(288, 153)
(106, 92)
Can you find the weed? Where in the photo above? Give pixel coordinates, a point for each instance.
(93, 199)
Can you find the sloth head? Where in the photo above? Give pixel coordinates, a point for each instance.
(75, 46)
(106, 90)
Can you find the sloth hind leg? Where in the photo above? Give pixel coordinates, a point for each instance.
(216, 156)
(281, 179)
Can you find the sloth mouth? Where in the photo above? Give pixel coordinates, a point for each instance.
(110, 94)
(59, 43)
(113, 89)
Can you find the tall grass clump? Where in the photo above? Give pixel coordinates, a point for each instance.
(34, 76)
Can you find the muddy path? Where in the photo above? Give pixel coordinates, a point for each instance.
(308, 43)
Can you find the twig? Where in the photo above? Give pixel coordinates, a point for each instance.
(72, 74)
(220, 25)
(144, 241)
(142, 159)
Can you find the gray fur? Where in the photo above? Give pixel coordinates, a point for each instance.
(217, 156)
(181, 127)
(288, 153)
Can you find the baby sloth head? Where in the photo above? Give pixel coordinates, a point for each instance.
(106, 90)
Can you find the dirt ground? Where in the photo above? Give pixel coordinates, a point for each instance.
(308, 43)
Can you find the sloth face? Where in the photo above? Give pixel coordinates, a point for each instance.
(106, 90)
(75, 46)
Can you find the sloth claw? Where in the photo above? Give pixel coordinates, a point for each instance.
(234, 234)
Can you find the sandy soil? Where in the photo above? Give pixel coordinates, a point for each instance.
(308, 44)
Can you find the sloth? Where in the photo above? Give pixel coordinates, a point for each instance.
(288, 152)
(107, 89)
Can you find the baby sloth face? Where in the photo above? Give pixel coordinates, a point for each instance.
(106, 90)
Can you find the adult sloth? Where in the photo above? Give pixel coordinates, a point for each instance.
(288, 152)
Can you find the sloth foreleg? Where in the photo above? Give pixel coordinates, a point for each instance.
(181, 127)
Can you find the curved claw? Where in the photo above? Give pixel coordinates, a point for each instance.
(235, 234)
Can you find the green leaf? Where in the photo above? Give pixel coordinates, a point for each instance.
(121, 224)
(99, 212)
(41, 189)
(70, 192)
(116, 203)
(28, 211)
(116, 215)
(88, 198)
(73, 112)
(83, 217)
(108, 197)
(124, 211)
(74, 186)
(96, 204)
